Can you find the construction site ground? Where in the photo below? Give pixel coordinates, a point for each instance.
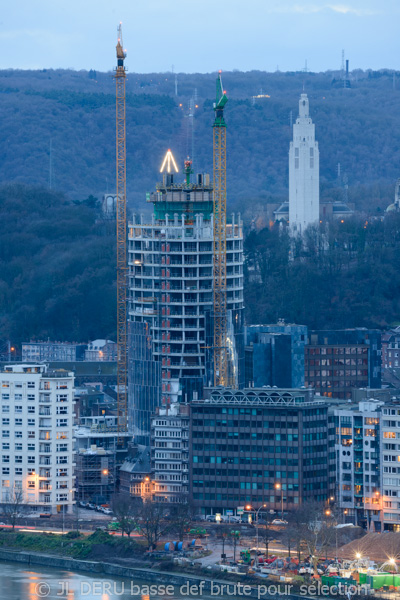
(376, 546)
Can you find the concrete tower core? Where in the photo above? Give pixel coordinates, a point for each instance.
(303, 172)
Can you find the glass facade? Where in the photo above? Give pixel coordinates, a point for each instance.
(275, 355)
(339, 361)
(242, 448)
(144, 374)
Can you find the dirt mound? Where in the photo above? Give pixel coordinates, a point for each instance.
(376, 546)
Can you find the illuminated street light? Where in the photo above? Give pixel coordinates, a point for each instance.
(249, 507)
(278, 486)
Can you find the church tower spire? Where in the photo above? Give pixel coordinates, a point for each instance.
(303, 172)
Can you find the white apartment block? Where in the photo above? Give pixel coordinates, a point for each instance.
(170, 453)
(358, 457)
(37, 437)
(390, 466)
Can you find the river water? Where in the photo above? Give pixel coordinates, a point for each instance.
(22, 582)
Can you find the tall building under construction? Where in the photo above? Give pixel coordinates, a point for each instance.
(171, 309)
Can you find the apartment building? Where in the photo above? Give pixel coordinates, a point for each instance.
(389, 502)
(36, 437)
(358, 460)
(52, 352)
(170, 453)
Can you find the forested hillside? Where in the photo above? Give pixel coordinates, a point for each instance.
(57, 267)
(344, 275)
(57, 271)
(357, 127)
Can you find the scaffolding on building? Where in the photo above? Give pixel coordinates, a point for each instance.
(95, 475)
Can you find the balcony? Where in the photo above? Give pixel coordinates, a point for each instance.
(44, 399)
(43, 486)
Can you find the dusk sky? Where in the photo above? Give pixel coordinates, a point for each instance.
(202, 35)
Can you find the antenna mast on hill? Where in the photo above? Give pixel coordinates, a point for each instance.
(51, 165)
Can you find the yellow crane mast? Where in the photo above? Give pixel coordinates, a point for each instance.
(221, 371)
(122, 337)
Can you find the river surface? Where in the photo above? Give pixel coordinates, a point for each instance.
(22, 582)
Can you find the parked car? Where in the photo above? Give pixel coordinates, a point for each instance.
(234, 519)
(279, 522)
(90, 506)
(211, 518)
(107, 511)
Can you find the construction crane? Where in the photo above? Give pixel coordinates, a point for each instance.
(122, 338)
(221, 372)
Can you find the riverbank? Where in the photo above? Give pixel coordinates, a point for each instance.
(188, 585)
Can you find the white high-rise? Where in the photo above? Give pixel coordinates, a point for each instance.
(303, 172)
(36, 451)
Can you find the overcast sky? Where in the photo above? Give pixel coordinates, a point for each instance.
(200, 35)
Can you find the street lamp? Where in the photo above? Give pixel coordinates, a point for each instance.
(379, 500)
(279, 486)
(63, 510)
(392, 561)
(249, 507)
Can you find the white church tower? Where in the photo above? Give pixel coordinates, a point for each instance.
(303, 172)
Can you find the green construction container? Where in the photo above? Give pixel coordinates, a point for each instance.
(383, 579)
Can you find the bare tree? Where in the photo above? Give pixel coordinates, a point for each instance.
(222, 535)
(288, 538)
(181, 518)
(127, 512)
(308, 521)
(151, 523)
(267, 536)
(294, 530)
(13, 506)
(235, 535)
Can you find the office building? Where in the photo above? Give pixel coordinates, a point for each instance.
(274, 355)
(336, 362)
(171, 300)
(258, 446)
(36, 437)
